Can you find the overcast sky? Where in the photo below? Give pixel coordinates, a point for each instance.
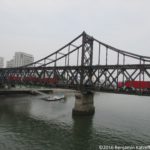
(40, 27)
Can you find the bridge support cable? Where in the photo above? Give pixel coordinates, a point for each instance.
(61, 53)
(117, 70)
(99, 56)
(78, 57)
(143, 72)
(55, 59)
(123, 70)
(68, 54)
(140, 61)
(65, 60)
(106, 56)
(65, 55)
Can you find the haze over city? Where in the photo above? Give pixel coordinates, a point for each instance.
(41, 27)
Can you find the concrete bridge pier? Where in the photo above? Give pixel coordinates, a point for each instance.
(84, 104)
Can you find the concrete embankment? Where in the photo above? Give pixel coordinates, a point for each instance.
(24, 91)
(33, 91)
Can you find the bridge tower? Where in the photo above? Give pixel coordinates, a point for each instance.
(86, 58)
(84, 100)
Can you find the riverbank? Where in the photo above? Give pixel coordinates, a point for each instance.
(32, 91)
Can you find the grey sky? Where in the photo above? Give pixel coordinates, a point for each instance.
(40, 27)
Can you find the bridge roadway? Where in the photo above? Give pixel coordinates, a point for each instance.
(96, 71)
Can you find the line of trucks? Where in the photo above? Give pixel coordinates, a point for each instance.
(122, 86)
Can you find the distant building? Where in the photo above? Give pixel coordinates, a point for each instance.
(10, 64)
(20, 59)
(1, 62)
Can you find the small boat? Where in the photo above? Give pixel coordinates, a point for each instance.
(54, 98)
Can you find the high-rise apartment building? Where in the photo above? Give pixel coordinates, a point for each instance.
(1, 62)
(20, 59)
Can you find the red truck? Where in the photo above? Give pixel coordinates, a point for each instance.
(134, 85)
(35, 80)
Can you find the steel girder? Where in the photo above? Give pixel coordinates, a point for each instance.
(102, 77)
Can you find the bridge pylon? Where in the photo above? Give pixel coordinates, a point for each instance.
(84, 104)
(86, 59)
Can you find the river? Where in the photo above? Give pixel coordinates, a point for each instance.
(29, 123)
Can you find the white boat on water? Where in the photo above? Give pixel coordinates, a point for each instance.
(54, 98)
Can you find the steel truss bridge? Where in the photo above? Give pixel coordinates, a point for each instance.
(85, 63)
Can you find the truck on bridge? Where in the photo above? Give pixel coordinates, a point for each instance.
(134, 86)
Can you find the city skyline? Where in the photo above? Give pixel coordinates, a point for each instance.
(48, 25)
(20, 59)
(10, 61)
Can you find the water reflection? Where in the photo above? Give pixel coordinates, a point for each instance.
(82, 132)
